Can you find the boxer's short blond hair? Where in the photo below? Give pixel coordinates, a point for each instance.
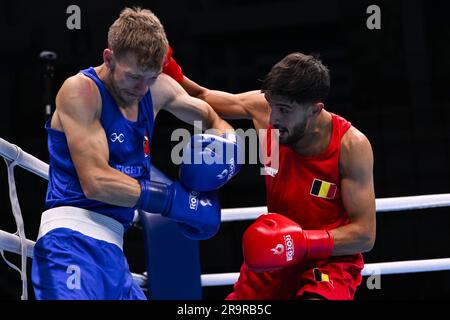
(140, 32)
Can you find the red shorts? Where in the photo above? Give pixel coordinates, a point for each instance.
(334, 279)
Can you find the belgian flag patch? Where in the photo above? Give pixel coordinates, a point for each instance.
(323, 189)
(319, 276)
(322, 277)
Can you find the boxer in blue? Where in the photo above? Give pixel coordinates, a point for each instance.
(98, 140)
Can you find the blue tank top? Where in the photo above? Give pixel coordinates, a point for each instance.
(129, 152)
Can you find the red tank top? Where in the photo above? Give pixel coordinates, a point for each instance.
(307, 189)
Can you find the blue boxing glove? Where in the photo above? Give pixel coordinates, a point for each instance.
(197, 214)
(210, 161)
(200, 219)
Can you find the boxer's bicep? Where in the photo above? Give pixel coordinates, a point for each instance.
(357, 187)
(79, 113)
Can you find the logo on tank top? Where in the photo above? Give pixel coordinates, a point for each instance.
(117, 137)
(323, 189)
(146, 144)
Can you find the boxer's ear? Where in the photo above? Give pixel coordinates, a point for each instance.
(108, 58)
(316, 108)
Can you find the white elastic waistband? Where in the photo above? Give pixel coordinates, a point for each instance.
(89, 223)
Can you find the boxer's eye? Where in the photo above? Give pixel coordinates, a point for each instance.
(132, 76)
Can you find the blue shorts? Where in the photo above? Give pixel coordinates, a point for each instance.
(69, 265)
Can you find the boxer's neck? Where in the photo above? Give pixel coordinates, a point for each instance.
(317, 138)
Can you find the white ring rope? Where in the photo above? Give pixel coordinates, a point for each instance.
(17, 213)
(384, 268)
(12, 243)
(27, 161)
(382, 205)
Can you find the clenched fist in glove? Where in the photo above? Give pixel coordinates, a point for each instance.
(274, 241)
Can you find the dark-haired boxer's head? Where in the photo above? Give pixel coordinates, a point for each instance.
(295, 89)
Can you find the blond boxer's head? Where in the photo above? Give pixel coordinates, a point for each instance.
(137, 46)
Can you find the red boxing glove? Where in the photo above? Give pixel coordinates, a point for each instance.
(171, 67)
(274, 241)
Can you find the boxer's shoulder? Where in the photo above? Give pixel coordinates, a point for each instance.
(353, 139)
(355, 148)
(78, 93)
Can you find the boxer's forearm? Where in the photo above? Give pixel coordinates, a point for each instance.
(113, 187)
(351, 239)
(218, 100)
(193, 88)
(227, 105)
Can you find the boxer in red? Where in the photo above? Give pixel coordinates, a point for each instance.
(321, 196)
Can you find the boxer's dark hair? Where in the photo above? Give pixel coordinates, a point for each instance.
(299, 77)
(139, 31)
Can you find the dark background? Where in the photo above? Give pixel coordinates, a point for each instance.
(392, 84)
